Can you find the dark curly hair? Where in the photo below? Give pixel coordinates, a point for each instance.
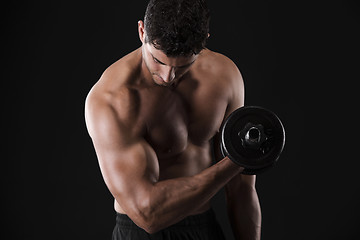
(177, 27)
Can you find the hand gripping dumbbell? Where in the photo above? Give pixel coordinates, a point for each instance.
(252, 137)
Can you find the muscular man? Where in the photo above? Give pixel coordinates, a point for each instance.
(154, 119)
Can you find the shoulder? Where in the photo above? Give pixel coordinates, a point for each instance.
(111, 99)
(219, 69)
(115, 84)
(105, 110)
(222, 74)
(218, 64)
(121, 72)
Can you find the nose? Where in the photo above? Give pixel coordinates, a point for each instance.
(168, 73)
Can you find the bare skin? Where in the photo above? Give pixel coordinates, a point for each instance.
(152, 120)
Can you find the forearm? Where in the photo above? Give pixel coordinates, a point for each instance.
(244, 211)
(170, 201)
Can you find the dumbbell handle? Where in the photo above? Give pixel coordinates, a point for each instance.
(252, 136)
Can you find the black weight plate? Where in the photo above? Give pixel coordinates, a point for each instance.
(249, 171)
(246, 157)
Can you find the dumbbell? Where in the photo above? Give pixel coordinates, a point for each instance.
(252, 137)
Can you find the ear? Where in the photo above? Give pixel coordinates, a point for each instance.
(141, 30)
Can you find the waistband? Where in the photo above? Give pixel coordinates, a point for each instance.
(207, 218)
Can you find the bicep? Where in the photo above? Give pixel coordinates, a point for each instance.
(235, 99)
(128, 164)
(237, 96)
(128, 171)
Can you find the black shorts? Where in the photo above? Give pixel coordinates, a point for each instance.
(199, 227)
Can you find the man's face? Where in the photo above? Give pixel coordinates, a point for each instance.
(165, 70)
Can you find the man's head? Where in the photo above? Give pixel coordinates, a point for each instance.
(173, 34)
(177, 27)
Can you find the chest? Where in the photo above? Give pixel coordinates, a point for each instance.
(174, 120)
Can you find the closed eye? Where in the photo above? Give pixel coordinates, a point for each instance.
(157, 61)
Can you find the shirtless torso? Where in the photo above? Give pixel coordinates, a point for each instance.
(170, 128)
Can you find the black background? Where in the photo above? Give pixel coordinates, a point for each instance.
(298, 58)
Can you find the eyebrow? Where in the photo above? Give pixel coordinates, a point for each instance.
(186, 65)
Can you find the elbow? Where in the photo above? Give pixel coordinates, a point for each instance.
(151, 229)
(148, 222)
(145, 213)
(146, 217)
